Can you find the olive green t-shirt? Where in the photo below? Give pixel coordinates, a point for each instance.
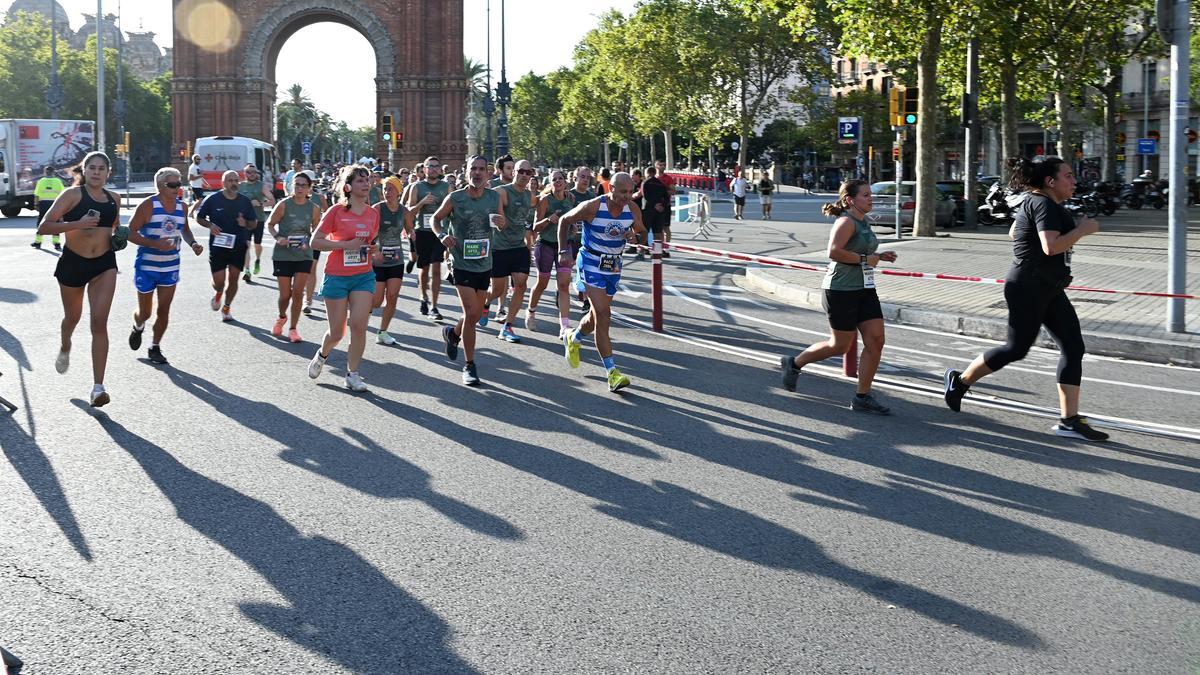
(439, 190)
(843, 277)
(296, 224)
(391, 227)
(254, 191)
(518, 210)
(555, 206)
(470, 225)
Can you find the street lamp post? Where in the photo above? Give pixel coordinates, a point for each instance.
(119, 107)
(100, 145)
(54, 92)
(503, 95)
(489, 106)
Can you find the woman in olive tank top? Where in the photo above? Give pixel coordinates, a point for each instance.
(850, 299)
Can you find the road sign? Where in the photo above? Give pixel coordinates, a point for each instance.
(1120, 158)
(735, 145)
(306, 147)
(1147, 146)
(848, 128)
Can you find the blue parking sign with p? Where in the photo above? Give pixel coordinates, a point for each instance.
(848, 129)
(306, 147)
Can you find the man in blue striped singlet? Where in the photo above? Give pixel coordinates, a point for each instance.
(157, 226)
(609, 221)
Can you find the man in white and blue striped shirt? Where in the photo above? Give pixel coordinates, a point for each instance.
(157, 226)
(609, 221)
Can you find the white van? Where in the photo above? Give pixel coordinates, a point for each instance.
(219, 154)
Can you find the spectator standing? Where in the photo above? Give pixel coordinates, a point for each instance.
(766, 188)
(738, 187)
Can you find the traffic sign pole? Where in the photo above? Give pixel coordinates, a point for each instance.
(1178, 196)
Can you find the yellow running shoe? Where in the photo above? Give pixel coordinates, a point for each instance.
(617, 380)
(571, 345)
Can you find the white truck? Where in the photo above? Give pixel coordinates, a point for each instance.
(28, 146)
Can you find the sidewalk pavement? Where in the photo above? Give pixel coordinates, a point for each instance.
(1129, 253)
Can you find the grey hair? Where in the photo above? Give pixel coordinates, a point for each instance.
(160, 176)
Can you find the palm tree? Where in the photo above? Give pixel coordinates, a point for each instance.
(297, 117)
(476, 74)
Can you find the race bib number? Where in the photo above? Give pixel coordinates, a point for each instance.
(391, 253)
(1068, 255)
(476, 249)
(868, 276)
(224, 240)
(426, 222)
(610, 263)
(296, 240)
(355, 257)
(578, 227)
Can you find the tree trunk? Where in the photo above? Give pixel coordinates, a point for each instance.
(668, 149)
(1108, 161)
(653, 149)
(926, 225)
(1008, 114)
(1062, 105)
(607, 153)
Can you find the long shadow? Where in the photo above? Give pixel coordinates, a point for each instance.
(339, 605)
(30, 462)
(362, 465)
(17, 296)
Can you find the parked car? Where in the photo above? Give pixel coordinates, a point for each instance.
(955, 191)
(884, 205)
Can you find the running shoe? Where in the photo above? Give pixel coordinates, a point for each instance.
(435, 314)
(226, 314)
(955, 389)
(246, 276)
(530, 321)
(451, 341)
(483, 319)
(666, 254)
(1078, 427)
(307, 309)
(617, 380)
(277, 329)
(470, 376)
(135, 337)
(62, 362)
(294, 335)
(869, 404)
(790, 372)
(354, 382)
(99, 397)
(587, 305)
(503, 311)
(257, 266)
(216, 302)
(384, 338)
(37, 245)
(315, 366)
(507, 335)
(57, 246)
(408, 267)
(424, 308)
(155, 355)
(571, 348)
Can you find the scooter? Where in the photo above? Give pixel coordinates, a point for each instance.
(1000, 205)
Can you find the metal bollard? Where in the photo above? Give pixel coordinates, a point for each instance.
(656, 286)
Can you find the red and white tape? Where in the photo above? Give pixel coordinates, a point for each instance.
(792, 264)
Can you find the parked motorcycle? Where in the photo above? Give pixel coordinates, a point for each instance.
(1000, 205)
(1107, 198)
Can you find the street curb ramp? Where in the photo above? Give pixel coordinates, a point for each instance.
(760, 280)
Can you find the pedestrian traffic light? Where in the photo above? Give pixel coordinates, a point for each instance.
(912, 98)
(896, 105)
(385, 130)
(398, 140)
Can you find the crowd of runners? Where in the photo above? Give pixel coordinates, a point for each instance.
(489, 229)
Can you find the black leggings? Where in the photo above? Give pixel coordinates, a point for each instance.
(1031, 305)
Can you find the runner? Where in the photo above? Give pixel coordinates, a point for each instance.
(510, 257)
(851, 301)
(260, 196)
(48, 188)
(556, 200)
(472, 214)
(582, 191)
(228, 216)
(196, 181)
(157, 226)
(657, 214)
(504, 166)
(290, 175)
(347, 230)
(598, 266)
(89, 215)
(376, 194)
(423, 201)
(389, 270)
(1043, 235)
(292, 223)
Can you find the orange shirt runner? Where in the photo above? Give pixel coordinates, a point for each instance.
(341, 224)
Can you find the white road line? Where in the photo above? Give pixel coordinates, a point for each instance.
(892, 348)
(631, 293)
(995, 402)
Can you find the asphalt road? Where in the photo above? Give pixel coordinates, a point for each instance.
(227, 514)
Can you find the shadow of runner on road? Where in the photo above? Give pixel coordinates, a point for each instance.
(341, 606)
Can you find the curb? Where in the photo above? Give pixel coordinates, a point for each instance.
(760, 280)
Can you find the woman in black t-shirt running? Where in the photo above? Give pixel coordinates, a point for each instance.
(1043, 235)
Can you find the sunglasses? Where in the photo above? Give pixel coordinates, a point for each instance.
(173, 186)
(526, 172)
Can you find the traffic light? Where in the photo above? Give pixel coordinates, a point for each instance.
(912, 99)
(398, 140)
(896, 105)
(385, 130)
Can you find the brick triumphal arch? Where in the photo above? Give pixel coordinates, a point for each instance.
(224, 67)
